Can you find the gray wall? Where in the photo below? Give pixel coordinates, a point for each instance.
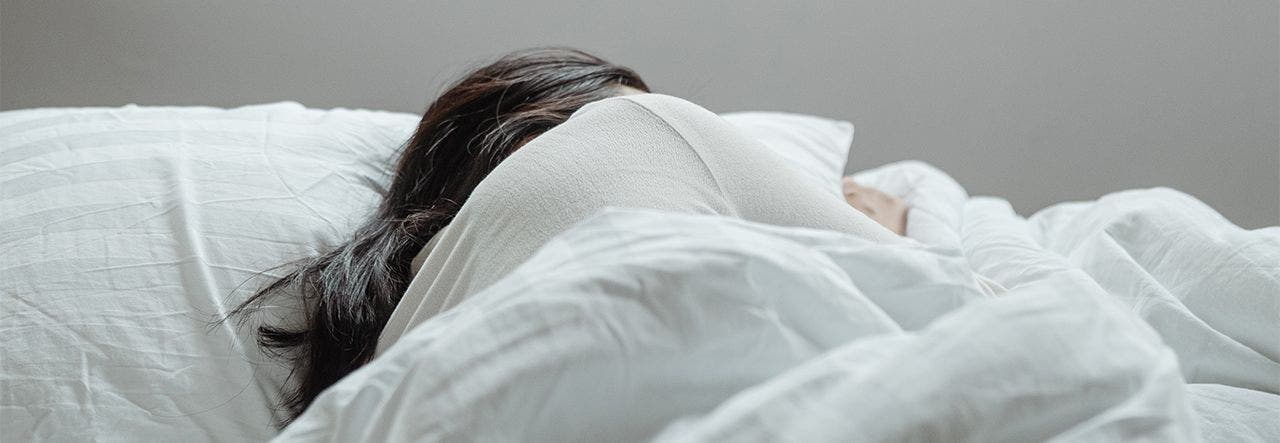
(1035, 101)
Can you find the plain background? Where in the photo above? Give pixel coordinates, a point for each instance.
(1035, 101)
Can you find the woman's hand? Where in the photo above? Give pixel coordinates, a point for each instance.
(885, 209)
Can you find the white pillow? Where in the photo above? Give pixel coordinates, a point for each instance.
(125, 231)
(817, 146)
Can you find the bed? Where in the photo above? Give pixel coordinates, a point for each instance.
(128, 232)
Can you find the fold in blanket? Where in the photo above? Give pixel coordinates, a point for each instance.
(1143, 315)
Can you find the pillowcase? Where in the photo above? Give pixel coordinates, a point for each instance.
(817, 146)
(126, 231)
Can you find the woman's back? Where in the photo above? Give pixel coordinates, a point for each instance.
(643, 151)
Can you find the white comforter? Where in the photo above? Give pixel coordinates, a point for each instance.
(1142, 316)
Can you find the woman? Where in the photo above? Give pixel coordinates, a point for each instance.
(458, 216)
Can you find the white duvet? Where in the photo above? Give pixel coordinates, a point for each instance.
(1141, 316)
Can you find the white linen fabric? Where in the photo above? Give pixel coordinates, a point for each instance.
(1141, 316)
(635, 325)
(126, 231)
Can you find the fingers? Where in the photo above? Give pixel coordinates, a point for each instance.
(881, 206)
(849, 185)
(854, 189)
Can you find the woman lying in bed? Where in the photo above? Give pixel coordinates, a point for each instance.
(507, 158)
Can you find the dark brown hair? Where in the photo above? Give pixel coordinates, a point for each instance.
(350, 292)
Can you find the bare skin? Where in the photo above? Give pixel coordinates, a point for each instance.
(885, 209)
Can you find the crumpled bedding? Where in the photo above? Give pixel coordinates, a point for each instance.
(127, 231)
(1143, 315)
